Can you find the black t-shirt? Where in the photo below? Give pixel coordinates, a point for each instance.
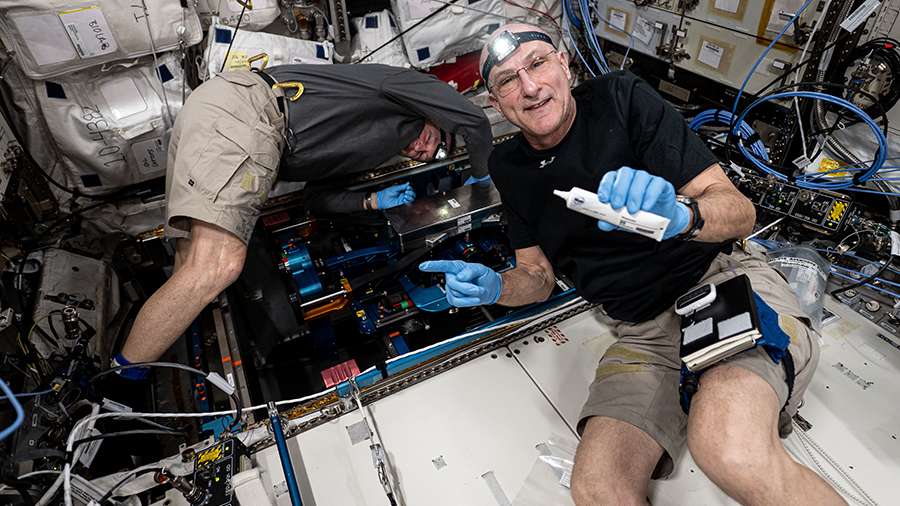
(620, 121)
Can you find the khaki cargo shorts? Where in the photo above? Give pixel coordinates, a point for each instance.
(638, 376)
(223, 155)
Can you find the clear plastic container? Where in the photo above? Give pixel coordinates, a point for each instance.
(807, 272)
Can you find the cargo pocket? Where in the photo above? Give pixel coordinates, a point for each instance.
(238, 164)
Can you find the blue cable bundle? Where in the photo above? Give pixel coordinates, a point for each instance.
(835, 184)
(746, 131)
(17, 406)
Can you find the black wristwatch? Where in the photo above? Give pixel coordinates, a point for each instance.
(697, 221)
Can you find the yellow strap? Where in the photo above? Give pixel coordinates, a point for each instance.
(618, 351)
(606, 370)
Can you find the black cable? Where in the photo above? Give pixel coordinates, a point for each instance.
(233, 35)
(426, 18)
(126, 479)
(52, 327)
(22, 486)
(778, 78)
(172, 365)
(20, 271)
(865, 281)
(878, 48)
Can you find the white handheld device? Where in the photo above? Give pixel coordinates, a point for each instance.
(696, 299)
(587, 203)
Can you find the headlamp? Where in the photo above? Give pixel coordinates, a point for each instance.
(442, 151)
(506, 44)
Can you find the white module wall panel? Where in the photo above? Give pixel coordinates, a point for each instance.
(746, 16)
(727, 56)
(650, 27)
(440, 437)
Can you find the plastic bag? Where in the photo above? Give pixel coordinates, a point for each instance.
(548, 482)
(807, 273)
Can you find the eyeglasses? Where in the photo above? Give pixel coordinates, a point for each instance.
(509, 81)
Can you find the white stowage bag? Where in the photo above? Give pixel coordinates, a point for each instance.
(261, 16)
(53, 37)
(281, 50)
(103, 129)
(372, 31)
(454, 31)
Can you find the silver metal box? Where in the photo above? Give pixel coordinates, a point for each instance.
(430, 220)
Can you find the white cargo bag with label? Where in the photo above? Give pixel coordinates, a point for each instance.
(372, 31)
(281, 50)
(53, 37)
(106, 129)
(262, 15)
(452, 32)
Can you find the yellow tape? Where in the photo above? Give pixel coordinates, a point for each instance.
(618, 351)
(606, 370)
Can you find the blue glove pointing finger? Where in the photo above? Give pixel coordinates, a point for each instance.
(639, 190)
(393, 196)
(468, 284)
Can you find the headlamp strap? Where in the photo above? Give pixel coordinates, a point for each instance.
(516, 39)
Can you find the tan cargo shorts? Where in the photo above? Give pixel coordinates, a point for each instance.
(223, 154)
(637, 378)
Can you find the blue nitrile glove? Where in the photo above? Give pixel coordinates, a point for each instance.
(468, 284)
(485, 179)
(642, 191)
(393, 196)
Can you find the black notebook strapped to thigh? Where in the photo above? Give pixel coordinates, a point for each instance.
(727, 326)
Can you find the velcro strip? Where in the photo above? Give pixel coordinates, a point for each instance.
(789, 325)
(606, 370)
(619, 351)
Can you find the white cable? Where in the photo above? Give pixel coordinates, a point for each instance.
(804, 438)
(29, 475)
(168, 116)
(45, 499)
(770, 225)
(797, 74)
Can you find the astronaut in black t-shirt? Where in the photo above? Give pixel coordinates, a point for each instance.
(614, 133)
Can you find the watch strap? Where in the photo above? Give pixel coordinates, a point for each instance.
(697, 220)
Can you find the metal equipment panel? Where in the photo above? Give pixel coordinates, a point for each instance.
(485, 415)
(430, 220)
(650, 27)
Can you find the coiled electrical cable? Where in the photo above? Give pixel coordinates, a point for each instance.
(720, 116)
(880, 134)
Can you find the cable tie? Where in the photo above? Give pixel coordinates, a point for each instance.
(70, 455)
(753, 138)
